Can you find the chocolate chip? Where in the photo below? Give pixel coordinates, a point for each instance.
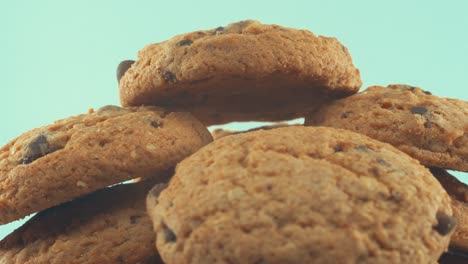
(184, 42)
(169, 76)
(418, 110)
(123, 67)
(427, 92)
(338, 148)
(120, 259)
(37, 148)
(218, 30)
(428, 124)
(155, 123)
(445, 223)
(169, 234)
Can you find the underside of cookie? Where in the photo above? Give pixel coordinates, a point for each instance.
(459, 193)
(242, 72)
(80, 154)
(108, 226)
(301, 195)
(432, 129)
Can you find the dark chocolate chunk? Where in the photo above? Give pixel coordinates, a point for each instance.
(338, 148)
(37, 148)
(427, 92)
(218, 30)
(169, 76)
(445, 223)
(156, 123)
(170, 236)
(428, 124)
(419, 110)
(123, 67)
(184, 42)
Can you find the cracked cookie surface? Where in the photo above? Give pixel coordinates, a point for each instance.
(432, 129)
(301, 195)
(242, 72)
(108, 226)
(78, 155)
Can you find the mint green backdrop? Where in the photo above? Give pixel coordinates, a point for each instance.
(59, 57)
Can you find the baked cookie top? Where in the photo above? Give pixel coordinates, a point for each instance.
(78, 155)
(301, 195)
(244, 71)
(459, 193)
(108, 226)
(432, 129)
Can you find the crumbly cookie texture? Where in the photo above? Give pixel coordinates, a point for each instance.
(432, 129)
(78, 155)
(301, 195)
(108, 226)
(459, 193)
(244, 71)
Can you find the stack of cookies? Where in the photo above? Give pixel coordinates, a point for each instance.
(362, 181)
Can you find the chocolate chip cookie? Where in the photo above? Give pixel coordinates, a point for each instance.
(301, 195)
(244, 71)
(432, 129)
(78, 155)
(459, 193)
(108, 226)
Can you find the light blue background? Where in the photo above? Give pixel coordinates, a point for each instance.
(59, 57)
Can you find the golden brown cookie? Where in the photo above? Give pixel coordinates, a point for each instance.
(459, 193)
(432, 129)
(242, 72)
(108, 226)
(78, 155)
(301, 195)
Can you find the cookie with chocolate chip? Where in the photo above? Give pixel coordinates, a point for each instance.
(80, 154)
(459, 193)
(432, 129)
(301, 195)
(242, 72)
(108, 226)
